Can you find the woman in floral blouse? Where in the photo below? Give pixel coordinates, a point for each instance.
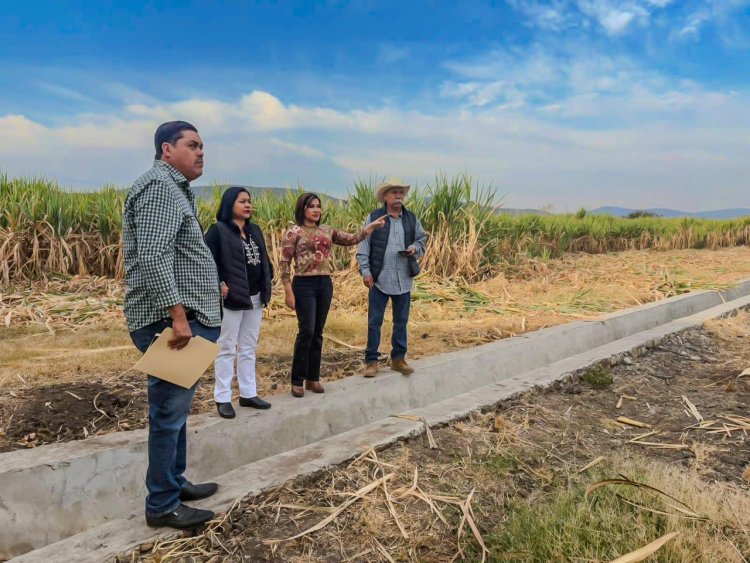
(309, 245)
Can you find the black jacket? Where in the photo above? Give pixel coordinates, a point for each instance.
(379, 240)
(225, 243)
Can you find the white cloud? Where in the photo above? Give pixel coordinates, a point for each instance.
(294, 148)
(125, 94)
(614, 17)
(481, 94)
(554, 15)
(67, 93)
(541, 78)
(504, 78)
(17, 130)
(693, 24)
(615, 22)
(722, 15)
(657, 143)
(389, 53)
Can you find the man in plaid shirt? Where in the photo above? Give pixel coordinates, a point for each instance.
(170, 280)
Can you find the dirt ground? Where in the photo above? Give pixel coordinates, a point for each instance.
(34, 416)
(510, 484)
(66, 355)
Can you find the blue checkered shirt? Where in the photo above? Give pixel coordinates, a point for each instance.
(166, 259)
(394, 278)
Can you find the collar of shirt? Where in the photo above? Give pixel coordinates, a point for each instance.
(176, 175)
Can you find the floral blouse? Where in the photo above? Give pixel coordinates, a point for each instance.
(310, 247)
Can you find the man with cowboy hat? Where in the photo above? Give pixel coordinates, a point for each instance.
(388, 262)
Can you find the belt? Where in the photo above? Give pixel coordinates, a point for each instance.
(190, 315)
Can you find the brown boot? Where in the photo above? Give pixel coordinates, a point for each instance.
(314, 386)
(298, 391)
(402, 367)
(371, 369)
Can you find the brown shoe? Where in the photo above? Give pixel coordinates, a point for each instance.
(314, 386)
(402, 367)
(371, 369)
(298, 391)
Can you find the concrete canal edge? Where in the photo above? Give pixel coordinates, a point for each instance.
(83, 500)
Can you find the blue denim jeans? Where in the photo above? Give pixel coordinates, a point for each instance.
(168, 409)
(375, 313)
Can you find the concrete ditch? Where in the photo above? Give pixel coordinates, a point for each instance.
(81, 490)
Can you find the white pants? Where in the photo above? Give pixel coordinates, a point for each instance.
(239, 338)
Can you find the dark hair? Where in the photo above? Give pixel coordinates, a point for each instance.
(303, 202)
(170, 132)
(225, 214)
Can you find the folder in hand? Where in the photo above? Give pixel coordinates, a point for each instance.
(181, 367)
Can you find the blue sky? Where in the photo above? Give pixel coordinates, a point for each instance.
(565, 103)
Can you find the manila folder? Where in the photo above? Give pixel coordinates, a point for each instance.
(181, 367)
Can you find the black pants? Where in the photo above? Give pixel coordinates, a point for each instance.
(312, 298)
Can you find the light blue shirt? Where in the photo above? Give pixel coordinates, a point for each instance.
(394, 278)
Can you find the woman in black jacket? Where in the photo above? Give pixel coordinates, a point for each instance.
(245, 273)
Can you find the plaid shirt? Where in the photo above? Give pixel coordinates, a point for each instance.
(394, 278)
(166, 259)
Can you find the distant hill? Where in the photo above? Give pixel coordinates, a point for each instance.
(664, 212)
(206, 192)
(514, 212)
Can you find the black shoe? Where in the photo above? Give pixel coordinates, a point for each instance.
(226, 410)
(255, 402)
(183, 517)
(197, 492)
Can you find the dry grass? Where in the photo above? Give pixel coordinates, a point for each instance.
(399, 510)
(494, 492)
(729, 329)
(44, 326)
(59, 302)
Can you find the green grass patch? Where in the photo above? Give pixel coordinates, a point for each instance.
(559, 522)
(563, 526)
(598, 377)
(499, 463)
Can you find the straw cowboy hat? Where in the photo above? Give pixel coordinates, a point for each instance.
(387, 185)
